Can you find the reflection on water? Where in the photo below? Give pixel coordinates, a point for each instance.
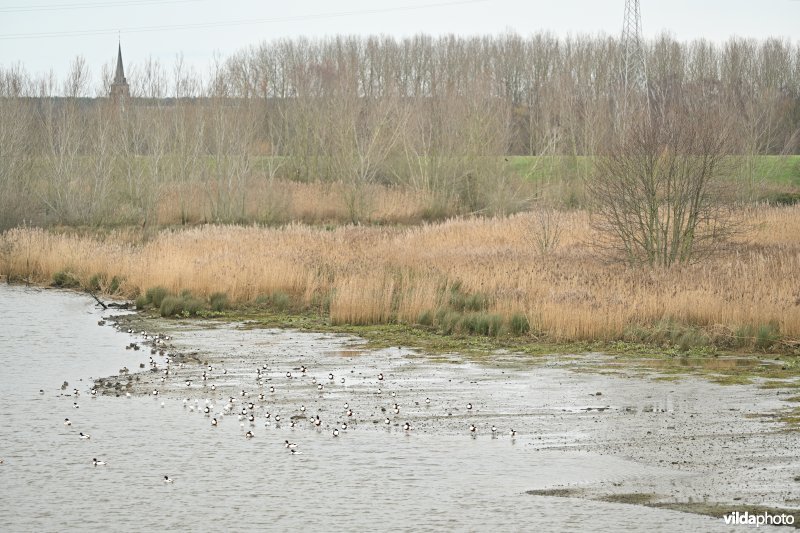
(364, 479)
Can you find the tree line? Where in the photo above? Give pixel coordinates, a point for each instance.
(437, 115)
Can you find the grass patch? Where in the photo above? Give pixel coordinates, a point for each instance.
(64, 279)
(218, 301)
(155, 296)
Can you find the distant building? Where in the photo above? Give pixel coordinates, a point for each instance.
(119, 87)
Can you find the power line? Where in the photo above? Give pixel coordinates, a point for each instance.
(204, 25)
(88, 5)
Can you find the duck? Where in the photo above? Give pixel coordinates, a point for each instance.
(277, 418)
(272, 389)
(335, 432)
(248, 435)
(469, 406)
(494, 430)
(290, 445)
(317, 421)
(344, 426)
(387, 421)
(289, 375)
(291, 424)
(167, 479)
(407, 426)
(303, 369)
(427, 401)
(75, 405)
(380, 376)
(319, 387)
(302, 408)
(213, 387)
(349, 412)
(85, 436)
(472, 428)
(513, 433)
(214, 422)
(330, 376)
(67, 422)
(261, 397)
(98, 463)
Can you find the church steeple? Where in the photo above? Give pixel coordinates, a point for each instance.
(119, 87)
(119, 76)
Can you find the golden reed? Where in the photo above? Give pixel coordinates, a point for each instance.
(385, 274)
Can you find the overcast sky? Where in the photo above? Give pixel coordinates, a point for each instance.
(48, 34)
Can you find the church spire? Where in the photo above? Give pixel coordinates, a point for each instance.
(119, 76)
(119, 87)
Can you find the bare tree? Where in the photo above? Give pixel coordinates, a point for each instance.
(657, 191)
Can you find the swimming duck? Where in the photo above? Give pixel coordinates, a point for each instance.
(494, 430)
(85, 436)
(302, 408)
(98, 463)
(290, 445)
(214, 422)
(427, 401)
(75, 405)
(167, 479)
(67, 422)
(513, 433)
(248, 435)
(380, 376)
(407, 426)
(317, 421)
(387, 421)
(349, 412)
(272, 389)
(472, 428)
(319, 387)
(469, 406)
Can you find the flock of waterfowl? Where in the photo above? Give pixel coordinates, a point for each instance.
(262, 406)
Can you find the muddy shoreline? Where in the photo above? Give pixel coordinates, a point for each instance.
(717, 448)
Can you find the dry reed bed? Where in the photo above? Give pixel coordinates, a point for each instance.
(377, 275)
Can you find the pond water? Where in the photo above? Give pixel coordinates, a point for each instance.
(436, 476)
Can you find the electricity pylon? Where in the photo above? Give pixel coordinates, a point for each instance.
(634, 70)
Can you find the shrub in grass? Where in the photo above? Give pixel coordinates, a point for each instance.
(476, 302)
(218, 301)
(281, 301)
(495, 325)
(425, 318)
(171, 306)
(518, 324)
(141, 301)
(193, 306)
(65, 280)
(95, 282)
(113, 287)
(766, 336)
(156, 295)
(450, 322)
